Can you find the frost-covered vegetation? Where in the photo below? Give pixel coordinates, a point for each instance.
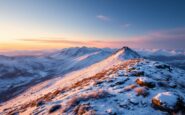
(115, 91)
(111, 87)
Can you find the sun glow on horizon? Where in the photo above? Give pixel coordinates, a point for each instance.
(37, 25)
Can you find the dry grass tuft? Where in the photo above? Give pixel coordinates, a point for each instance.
(83, 109)
(79, 84)
(84, 97)
(129, 87)
(141, 91)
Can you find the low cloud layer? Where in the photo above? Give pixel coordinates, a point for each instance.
(164, 39)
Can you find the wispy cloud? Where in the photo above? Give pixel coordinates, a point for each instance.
(92, 43)
(171, 39)
(103, 17)
(126, 25)
(168, 39)
(57, 41)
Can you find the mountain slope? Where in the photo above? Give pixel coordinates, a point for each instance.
(112, 86)
(127, 53)
(20, 72)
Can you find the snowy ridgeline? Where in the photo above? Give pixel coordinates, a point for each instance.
(134, 87)
(17, 72)
(107, 82)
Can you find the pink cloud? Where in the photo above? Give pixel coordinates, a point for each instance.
(168, 39)
(57, 41)
(172, 38)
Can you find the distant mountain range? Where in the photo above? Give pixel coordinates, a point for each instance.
(172, 57)
(19, 72)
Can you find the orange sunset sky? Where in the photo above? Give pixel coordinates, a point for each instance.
(53, 24)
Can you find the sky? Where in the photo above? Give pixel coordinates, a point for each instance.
(54, 24)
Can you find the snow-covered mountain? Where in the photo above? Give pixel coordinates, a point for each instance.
(127, 53)
(123, 83)
(159, 52)
(172, 57)
(19, 72)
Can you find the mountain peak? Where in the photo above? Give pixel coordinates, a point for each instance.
(126, 53)
(125, 47)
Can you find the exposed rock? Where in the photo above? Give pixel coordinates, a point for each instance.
(168, 101)
(136, 73)
(114, 93)
(129, 87)
(129, 69)
(54, 108)
(144, 81)
(111, 112)
(121, 81)
(99, 82)
(141, 91)
(163, 66)
(110, 80)
(40, 103)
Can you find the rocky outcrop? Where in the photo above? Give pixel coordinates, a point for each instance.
(168, 101)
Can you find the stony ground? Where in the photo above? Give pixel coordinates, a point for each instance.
(135, 87)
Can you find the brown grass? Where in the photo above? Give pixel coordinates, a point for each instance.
(74, 101)
(83, 109)
(99, 76)
(130, 87)
(141, 91)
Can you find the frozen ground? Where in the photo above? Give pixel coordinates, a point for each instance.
(17, 73)
(113, 86)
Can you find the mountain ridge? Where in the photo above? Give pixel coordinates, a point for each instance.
(127, 53)
(130, 85)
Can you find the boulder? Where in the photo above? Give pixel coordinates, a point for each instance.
(144, 81)
(168, 101)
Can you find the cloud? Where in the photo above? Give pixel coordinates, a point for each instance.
(103, 18)
(160, 52)
(57, 41)
(126, 25)
(170, 39)
(163, 39)
(92, 43)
